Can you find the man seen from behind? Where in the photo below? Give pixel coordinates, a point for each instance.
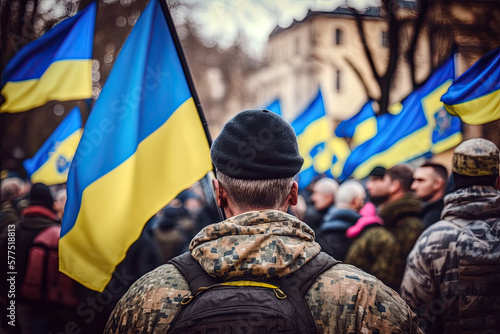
(256, 157)
(453, 273)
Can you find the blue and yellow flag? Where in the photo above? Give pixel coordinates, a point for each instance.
(322, 151)
(275, 107)
(475, 95)
(360, 127)
(50, 164)
(143, 143)
(57, 66)
(416, 127)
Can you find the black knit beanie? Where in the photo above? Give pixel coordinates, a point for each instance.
(40, 195)
(257, 145)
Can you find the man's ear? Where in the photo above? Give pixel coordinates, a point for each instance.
(394, 186)
(220, 193)
(438, 184)
(293, 196)
(355, 202)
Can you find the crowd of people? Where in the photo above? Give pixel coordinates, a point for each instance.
(419, 248)
(27, 210)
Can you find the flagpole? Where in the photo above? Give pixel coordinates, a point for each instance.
(190, 82)
(185, 67)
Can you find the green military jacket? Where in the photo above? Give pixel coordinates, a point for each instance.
(374, 252)
(452, 274)
(382, 250)
(403, 218)
(266, 243)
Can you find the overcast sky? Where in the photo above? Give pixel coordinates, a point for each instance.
(222, 21)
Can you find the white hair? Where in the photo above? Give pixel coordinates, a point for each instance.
(10, 188)
(326, 186)
(348, 191)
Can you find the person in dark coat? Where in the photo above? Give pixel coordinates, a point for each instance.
(400, 211)
(36, 312)
(9, 190)
(430, 181)
(168, 235)
(322, 198)
(331, 236)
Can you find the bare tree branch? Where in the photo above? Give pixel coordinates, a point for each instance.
(394, 45)
(423, 7)
(22, 16)
(366, 48)
(360, 76)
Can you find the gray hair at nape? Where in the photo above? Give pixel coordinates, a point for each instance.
(251, 194)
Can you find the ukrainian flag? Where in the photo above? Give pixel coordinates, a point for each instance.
(57, 66)
(143, 143)
(50, 164)
(414, 128)
(321, 150)
(475, 95)
(360, 127)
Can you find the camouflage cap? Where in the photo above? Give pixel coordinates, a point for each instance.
(476, 157)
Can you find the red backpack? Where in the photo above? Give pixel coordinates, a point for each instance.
(43, 282)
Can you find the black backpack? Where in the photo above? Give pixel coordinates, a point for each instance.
(247, 305)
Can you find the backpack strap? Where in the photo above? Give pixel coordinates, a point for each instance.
(304, 278)
(297, 284)
(193, 272)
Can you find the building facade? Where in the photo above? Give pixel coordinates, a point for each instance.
(324, 51)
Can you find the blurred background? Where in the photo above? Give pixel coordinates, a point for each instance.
(249, 53)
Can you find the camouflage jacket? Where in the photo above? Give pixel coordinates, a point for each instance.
(373, 251)
(453, 271)
(266, 243)
(404, 219)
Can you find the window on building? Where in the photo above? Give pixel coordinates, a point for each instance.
(385, 39)
(338, 81)
(338, 36)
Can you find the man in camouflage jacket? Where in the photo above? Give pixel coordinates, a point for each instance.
(452, 274)
(261, 240)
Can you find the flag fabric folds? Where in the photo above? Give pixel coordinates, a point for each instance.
(56, 66)
(275, 107)
(416, 127)
(321, 150)
(50, 164)
(360, 127)
(475, 95)
(143, 143)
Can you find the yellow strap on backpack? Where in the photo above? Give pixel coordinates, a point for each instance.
(277, 291)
